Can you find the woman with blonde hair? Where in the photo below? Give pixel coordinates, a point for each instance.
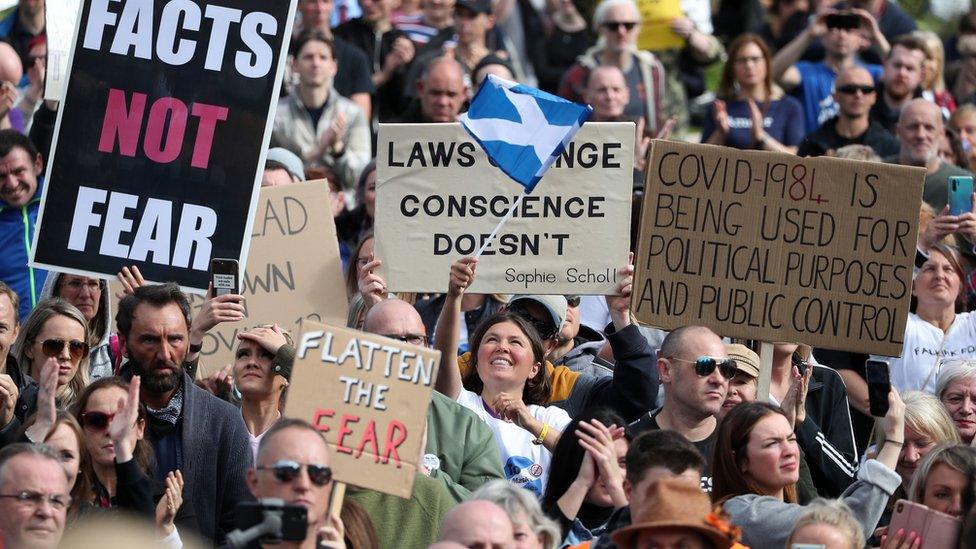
(56, 330)
(827, 520)
(933, 81)
(533, 529)
(944, 478)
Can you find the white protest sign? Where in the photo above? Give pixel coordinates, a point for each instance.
(60, 19)
(438, 198)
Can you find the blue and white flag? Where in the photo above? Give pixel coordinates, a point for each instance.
(523, 130)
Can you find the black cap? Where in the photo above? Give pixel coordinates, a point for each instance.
(475, 6)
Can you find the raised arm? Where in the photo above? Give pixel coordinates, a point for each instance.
(447, 333)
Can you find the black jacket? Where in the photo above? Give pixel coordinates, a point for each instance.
(826, 436)
(826, 138)
(26, 401)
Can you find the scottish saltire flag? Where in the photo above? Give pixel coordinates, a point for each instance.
(523, 130)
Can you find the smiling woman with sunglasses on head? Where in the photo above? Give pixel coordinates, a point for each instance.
(56, 329)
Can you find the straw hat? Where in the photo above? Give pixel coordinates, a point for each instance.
(676, 503)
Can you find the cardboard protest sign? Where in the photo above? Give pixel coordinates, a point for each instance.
(293, 273)
(369, 396)
(438, 198)
(161, 137)
(778, 248)
(60, 18)
(656, 17)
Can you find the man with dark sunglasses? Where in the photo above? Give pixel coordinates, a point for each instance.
(855, 94)
(695, 370)
(190, 429)
(294, 465)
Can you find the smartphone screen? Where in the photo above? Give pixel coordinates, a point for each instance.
(960, 194)
(879, 385)
(223, 275)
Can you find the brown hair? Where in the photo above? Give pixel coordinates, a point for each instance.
(360, 532)
(352, 269)
(734, 432)
(726, 86)
(143, 452)
(537, 388)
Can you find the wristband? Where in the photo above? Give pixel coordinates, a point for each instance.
(895, 442)
(542, 435)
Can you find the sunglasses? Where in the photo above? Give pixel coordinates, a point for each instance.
(573, 300)
(614, 25)
(95, 421)
(851, 89)
(705, 365)
(286, 470)
(542, 325)
(52, 348)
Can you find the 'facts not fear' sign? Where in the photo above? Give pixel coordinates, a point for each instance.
(161, 136)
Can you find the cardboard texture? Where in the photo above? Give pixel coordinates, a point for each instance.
(369, 396)
(774, 247)
(656, 18)
(293, 272)
(437, 197)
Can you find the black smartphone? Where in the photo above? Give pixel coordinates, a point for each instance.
(224, 276)
(294, 519)
(879, 385)
(842, 21)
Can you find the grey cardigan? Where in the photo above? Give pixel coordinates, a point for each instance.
(767, 521)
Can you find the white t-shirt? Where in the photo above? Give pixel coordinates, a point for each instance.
(923, 347)
(525, 464)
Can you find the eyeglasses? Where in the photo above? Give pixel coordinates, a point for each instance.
(59, 502)
(573, 300)
(756, 59)
(615, 25)
(52, 348)
(413, 339)
(286, 470)
(96, 421)
(851, 89)
(77, 285)
(705, 365)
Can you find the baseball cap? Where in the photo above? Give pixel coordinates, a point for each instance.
(474, 6)
(289, 160)
(555, 305)
(745, 358)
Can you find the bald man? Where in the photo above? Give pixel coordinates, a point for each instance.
(478, 523)
(919, 131)
(441, 91)
(855, 94)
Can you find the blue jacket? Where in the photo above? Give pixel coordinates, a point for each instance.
(16, 239)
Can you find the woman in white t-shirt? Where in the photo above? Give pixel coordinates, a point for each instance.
(507, 385)
(937, 329)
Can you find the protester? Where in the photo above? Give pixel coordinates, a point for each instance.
(491, 64)
(187, 425)
(956, 389)
(828, 523)
(442, 91)
(963, 123)
(743, 386)
(35, 499)
(751, 112)
(607, 92)
(586, 485)
(509, 384)
(920, 131)
(353, 225)
(855, 94)
(755, 465)
(579, 346)
(262, 367)
(695, 370)
(677, 514)
(618, 23)
(902, 80)
(317, 123)
(532, 529)
(814, 81)
(90, 296)
(566, 40)
(282, 167)
(55, 330)
(432, 27)
(18, 391)
(892, 22)
(944, 479)
(21, 187)
(937, 324)
(294, 465)
(933, 82)
(478, 523)
(22, 25)
(64, 436)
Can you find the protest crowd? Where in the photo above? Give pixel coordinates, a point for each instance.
(555, 420)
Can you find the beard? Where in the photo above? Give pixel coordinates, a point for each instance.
(153, 380)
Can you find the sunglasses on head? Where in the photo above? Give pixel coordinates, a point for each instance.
(286, 470)
(614, 25)
(95, 421)
(573, 300)
(851, 89)
(52, 348)
(705, 365)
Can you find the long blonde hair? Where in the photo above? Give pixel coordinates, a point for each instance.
(29, 330)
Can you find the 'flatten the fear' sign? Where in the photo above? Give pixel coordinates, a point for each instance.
(160, 139)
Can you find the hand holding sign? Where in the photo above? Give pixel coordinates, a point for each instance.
(371, 285)
(223, 308)
(130, 278)
(462, 276)
(619, 304)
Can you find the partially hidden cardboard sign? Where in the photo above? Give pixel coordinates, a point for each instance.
(161, 137)
(774, 247)
(438, 198)
(369, 396)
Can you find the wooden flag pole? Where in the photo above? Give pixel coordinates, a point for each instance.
(765, 371)
(335, 499)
